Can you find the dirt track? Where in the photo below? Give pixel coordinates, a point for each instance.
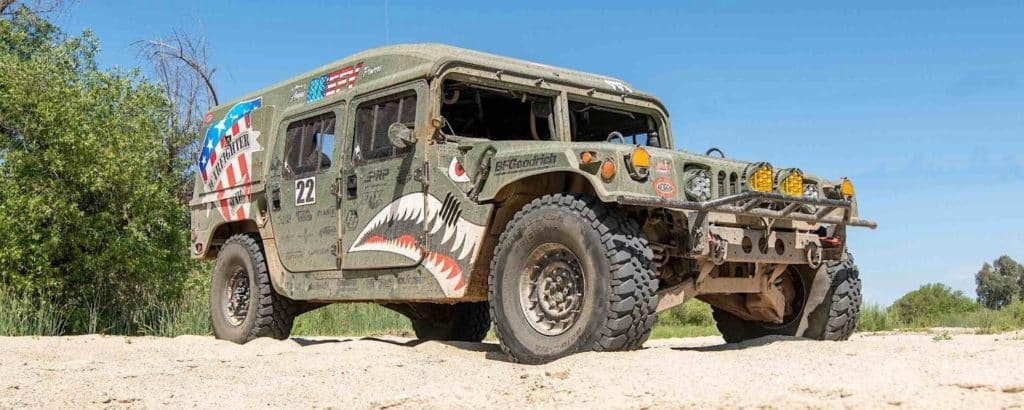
(871, 370)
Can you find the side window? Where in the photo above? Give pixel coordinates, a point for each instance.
(372, 121)
(590, 122)
(308, 145)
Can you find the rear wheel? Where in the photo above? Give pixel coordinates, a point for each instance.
(243, 303)
(569, 274)
(825, 305)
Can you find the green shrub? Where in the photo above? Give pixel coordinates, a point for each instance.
(875, 318)
(926, 304)
(91, 232)
(691, 313)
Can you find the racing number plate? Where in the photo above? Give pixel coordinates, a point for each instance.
(305, 191)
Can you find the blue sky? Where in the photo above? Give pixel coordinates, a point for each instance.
(921, 104)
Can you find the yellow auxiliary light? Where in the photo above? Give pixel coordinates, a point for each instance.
(792, 184)
(846, 188)
(761, 179)
(638, 163)
(641, 158)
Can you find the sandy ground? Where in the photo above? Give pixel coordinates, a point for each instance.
(911, 370)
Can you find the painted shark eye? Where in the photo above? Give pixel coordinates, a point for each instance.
(456, 172)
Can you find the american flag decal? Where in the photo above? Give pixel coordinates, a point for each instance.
(332, 83)
(226, 158)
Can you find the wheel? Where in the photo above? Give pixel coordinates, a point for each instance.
(569, 274)
(827, 306)
(243, 304)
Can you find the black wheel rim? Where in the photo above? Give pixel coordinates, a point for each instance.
(551, 289)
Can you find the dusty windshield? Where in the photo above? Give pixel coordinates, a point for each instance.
(592, 122)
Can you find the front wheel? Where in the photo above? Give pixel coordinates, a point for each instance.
(570, 274)
(827, 306)
(243, 304)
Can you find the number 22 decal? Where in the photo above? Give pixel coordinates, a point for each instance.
(305, 191)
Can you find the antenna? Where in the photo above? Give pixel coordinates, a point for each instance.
(387, 25)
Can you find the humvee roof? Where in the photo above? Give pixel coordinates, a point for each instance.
(411, 61)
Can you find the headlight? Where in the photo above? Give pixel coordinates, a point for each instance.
(697, 184)
(760, 178)
(811, 191)
(791, 182)
(846, 188)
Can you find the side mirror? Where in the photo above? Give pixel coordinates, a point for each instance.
(400, 135)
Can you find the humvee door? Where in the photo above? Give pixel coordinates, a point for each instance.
(383, 200)
(302, 207)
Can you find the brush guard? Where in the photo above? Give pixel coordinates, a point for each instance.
(750, 204)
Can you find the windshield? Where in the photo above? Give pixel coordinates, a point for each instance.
(592, 122)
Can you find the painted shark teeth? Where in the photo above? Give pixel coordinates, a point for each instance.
(446, 258)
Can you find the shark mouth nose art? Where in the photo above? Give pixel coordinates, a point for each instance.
(451, 244)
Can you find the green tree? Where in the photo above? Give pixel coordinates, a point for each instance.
(924, 305)
(999, 282)
(87, 219)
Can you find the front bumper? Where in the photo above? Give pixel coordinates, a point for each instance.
(750, 204)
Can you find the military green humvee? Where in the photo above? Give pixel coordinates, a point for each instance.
(458, 187)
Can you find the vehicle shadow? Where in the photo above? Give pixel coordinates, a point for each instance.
(304, 342)
(746, 344)
(491, 350)
(408, 343)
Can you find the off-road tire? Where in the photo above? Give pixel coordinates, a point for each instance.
(462, 322)
(830, 310)
(619, 300)
(269, 314)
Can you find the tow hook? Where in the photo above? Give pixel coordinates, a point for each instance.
(814, 256)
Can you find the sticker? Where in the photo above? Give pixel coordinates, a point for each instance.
(664, 187)
(376, 175)
(524, 163)
(618, 86)
(351, 219)
(663, 166)
(298, 93)
(370, 70)
(305, 191)
(456, 172)
(329, 230)
(207, 119)
(225, 158)
(398, 229)
(329, 84)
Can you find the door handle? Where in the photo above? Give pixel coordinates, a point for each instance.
(275, 197)
(351, 188)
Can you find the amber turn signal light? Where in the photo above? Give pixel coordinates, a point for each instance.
(608, 170)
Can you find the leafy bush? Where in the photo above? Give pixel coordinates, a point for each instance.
(691, 313)
(929, 302)
(89, 226)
